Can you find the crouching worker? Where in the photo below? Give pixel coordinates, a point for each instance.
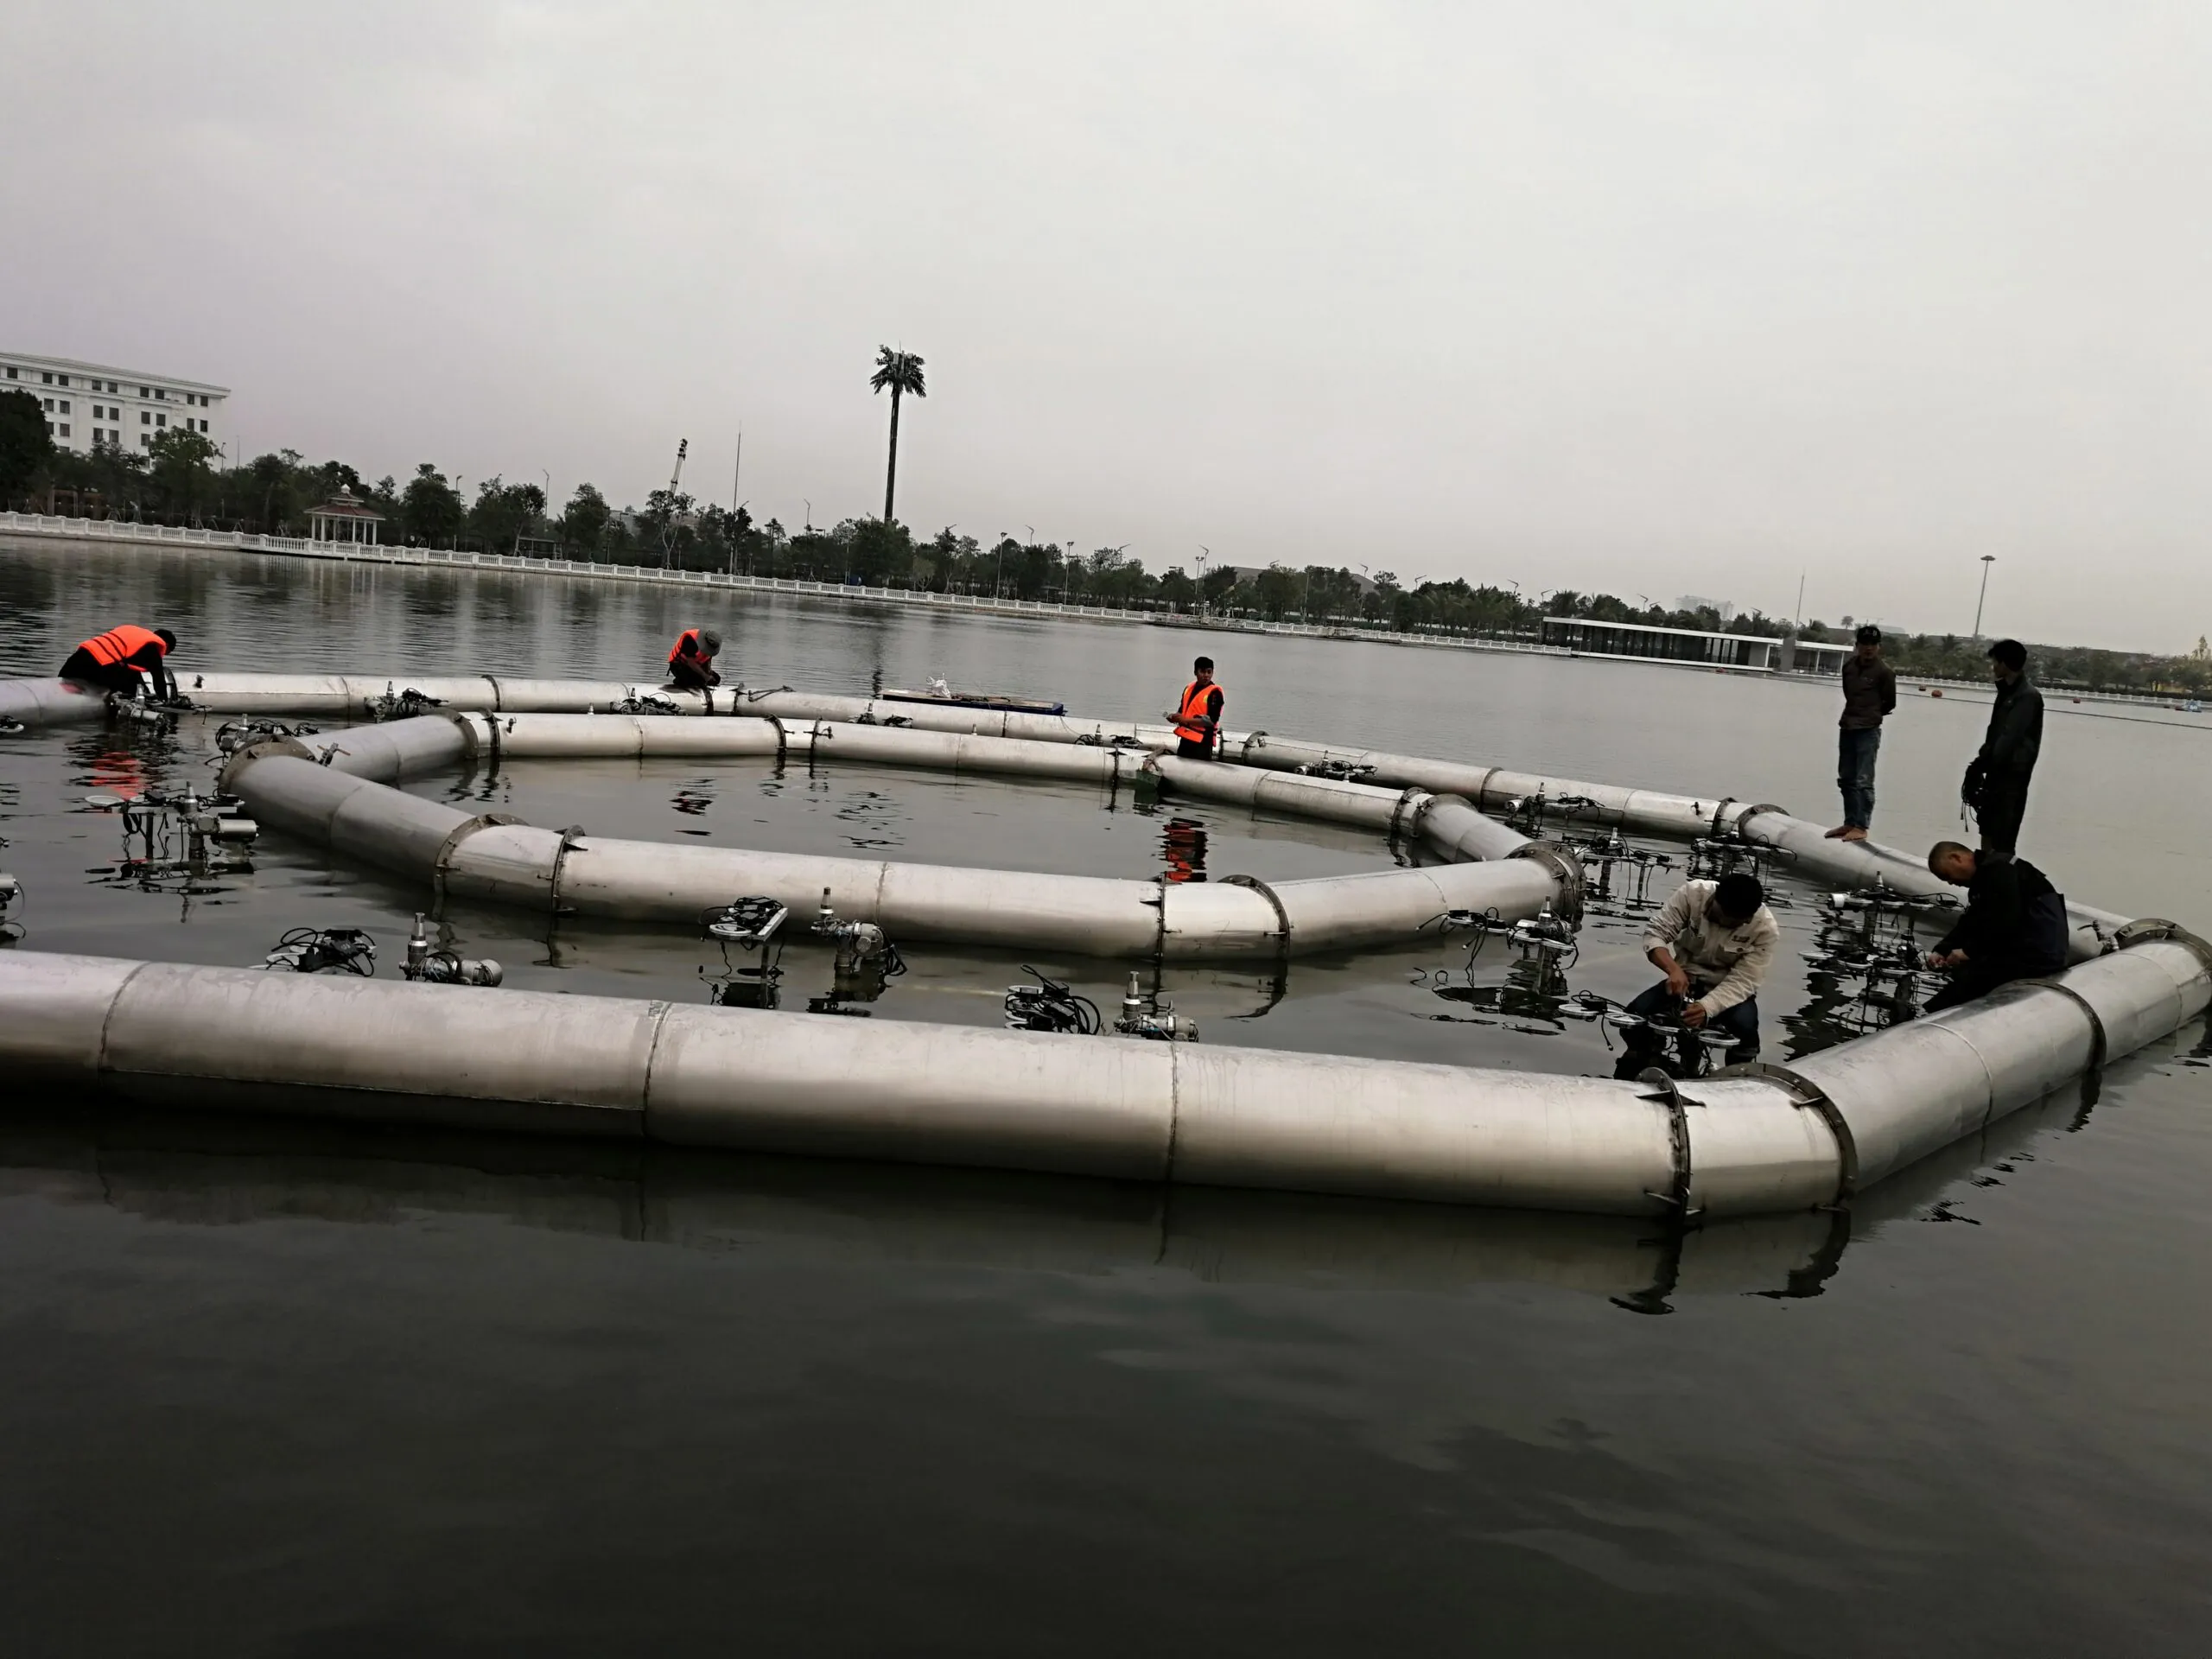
(114, 661)
(1714, 941)
(2014, 927)
(691, 665)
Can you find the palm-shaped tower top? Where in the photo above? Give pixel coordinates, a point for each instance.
(897, 373)
(902, 372)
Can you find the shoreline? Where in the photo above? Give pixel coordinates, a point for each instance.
(53, 530)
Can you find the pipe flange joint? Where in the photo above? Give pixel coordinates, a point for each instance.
(1412, 807)
(226, 779)
(2156, 929)
(1274, 903)
(1566, 870)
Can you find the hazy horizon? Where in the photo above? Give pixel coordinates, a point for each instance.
(1598, 297)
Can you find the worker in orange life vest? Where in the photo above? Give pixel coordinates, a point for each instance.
(114, 661)
(1197, 718)
(691, 665)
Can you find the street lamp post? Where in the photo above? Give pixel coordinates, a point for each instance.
(1987, 559)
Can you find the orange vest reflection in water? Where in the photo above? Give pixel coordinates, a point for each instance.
(1183, 844)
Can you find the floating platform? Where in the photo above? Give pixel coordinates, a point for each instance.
(1747, 1140)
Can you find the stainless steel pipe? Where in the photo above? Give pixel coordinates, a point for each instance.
(342, 797)
(1757, 1142)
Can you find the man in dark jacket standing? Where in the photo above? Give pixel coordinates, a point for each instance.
(2014, 925)
(1997, 783)
(1870, 691)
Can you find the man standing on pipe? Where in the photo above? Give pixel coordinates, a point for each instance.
(1996, 784)
(691, 665)
(1197, 718)
(1713, 941)
(2014, 928)
(114, 661)
(1870, 691)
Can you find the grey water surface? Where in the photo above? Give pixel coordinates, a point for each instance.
(277, 1387)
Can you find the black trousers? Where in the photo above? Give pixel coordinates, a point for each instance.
(1979, 979)
(1640, 1048)
(118, 677)
(2004, 804)
(690, 675)
(1193, 749)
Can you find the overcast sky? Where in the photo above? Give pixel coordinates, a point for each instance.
(1654, 298)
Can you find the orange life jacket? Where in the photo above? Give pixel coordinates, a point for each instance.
(1192, 709)
(686, 644)
(120, 645)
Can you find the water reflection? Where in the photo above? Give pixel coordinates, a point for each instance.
(220, 1171)
(1532, 999)
(1183, 850)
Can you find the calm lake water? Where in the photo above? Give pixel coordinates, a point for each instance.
(274, 1388)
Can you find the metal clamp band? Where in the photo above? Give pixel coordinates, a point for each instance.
(1282, 916)
(451, 844)
(1663, 1088)
(2099, 1047)
(1812, 1098)
(1401, 827)
(570, 836)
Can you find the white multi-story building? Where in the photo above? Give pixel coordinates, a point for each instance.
(89, 405)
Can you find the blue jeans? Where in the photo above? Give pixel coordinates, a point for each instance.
(1854, 775)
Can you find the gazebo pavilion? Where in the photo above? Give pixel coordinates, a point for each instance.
(343, 518)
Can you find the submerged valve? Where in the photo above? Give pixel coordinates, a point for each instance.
(427, 966)
(1143, 1015)
(157, 712)
(185, 834)
(1546, 935)
(862, 947)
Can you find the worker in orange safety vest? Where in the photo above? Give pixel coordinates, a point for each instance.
(116, 660)
(1197, 716)
(691, 665)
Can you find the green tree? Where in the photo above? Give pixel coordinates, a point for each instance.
(882, 552)
(1275, 591)
(181, 469)
(26, 446)
(429, 508)
(901, 372)
(505, 513)
(583, 522)
(669, 523)
(1176, 587)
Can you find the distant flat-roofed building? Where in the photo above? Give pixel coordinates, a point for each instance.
(89, 405)
(1644, 642)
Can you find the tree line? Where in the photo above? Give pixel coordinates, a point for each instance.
(179, 480)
